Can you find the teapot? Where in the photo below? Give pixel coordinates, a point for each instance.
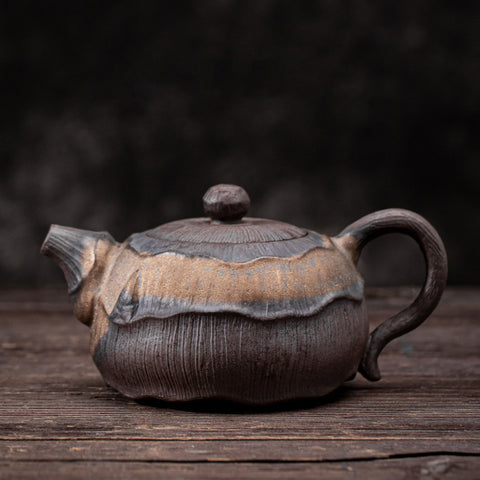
(237, 308)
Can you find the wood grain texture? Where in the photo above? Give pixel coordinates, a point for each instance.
(227, 450)
(430, 467)
(421, 421)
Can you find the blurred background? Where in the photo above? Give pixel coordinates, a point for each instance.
(119, 115)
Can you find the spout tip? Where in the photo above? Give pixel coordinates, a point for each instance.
(58, 235)
(45, 248)
(72, 250)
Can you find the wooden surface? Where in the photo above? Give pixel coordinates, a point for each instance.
(422, 420)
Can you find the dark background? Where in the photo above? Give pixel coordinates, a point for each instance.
(119, 115)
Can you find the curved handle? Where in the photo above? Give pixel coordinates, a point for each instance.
(358, 234)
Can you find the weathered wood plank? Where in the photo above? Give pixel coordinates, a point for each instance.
(396, 409)
(431, 467)
(223, 451)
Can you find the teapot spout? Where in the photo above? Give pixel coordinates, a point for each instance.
(74, 251)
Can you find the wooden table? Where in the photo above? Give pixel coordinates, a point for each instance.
(422, 420)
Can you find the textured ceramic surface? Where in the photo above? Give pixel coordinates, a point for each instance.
(234, 307)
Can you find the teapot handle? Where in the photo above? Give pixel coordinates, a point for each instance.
(358, 234)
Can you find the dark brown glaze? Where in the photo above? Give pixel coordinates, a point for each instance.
(228, 356)
(358, 234)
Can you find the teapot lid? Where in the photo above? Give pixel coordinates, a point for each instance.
(226, 232)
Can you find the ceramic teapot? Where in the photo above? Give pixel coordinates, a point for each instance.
(232, 307)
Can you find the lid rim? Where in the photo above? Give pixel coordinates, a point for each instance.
(205, 230)
(230, 252)
(190, 242)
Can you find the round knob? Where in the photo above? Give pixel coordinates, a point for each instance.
(226, 202)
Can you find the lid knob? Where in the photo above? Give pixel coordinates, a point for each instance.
(226, 202)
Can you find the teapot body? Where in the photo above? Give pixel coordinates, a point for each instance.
(177, 327)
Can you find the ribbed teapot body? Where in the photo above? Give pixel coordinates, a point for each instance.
(180, 327)
(230, 356)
